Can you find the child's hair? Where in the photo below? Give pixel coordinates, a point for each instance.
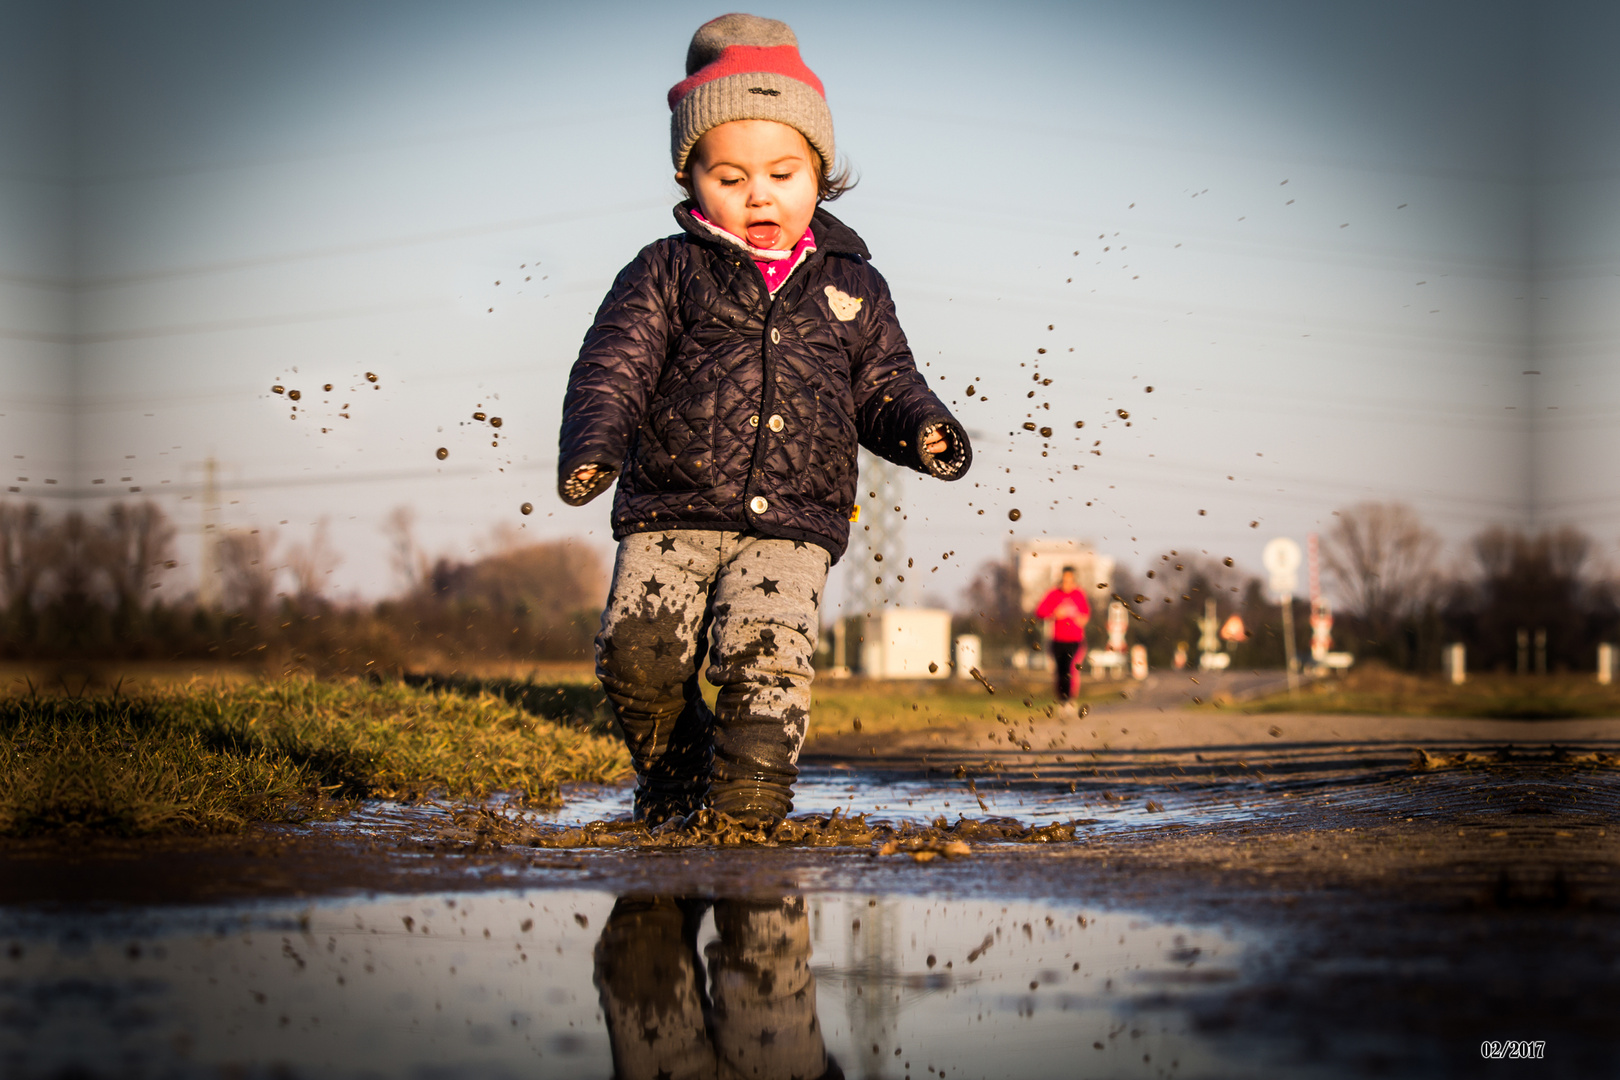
(1068, 570)
(830, 183)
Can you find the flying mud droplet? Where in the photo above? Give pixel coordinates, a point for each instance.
(1028, 426)
(494, 421)
(977, 674)
(371, 376)
(1046, 433)
(932, 667)
(1140, 599)
(1014, 515)
(1227, 560)
(293, 395)
(526, 509)
(970, 390)
(1041, 351)
(478, 416)
(441, 453)
(1254, 524)
(1079, 423)
(878, 557)
(327, 387)
(278, 389)
(1203, 513)
(1148, 390)
(1123, 414)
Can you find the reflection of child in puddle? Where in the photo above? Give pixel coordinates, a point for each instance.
(758, 1016)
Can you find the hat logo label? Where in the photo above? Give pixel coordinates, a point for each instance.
(767, 91)
(844, 306)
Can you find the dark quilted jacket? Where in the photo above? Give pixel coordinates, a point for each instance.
(722, 407)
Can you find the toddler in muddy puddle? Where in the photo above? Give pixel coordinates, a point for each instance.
(725, 384)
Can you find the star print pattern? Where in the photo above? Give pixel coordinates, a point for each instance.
(760, 634)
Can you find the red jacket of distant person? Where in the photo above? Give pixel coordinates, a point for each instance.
(1068, 610)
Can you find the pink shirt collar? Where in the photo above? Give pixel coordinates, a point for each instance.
(775, 266)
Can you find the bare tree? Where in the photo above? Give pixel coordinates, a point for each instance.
(26, 555)
(1383, 558)
(245, 562)
(312, 563)
(129, 551)
(551, 579)
(410, 564)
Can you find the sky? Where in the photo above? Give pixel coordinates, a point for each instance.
(1335, 239)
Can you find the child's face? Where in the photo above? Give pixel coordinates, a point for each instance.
(755, 179)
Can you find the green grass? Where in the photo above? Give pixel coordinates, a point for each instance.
(1377, 691)
(201, 759)
(885, 707)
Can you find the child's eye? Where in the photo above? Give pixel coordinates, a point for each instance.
(731, 181)
(782, 176)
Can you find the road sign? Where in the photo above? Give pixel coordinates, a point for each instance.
(1282, 557)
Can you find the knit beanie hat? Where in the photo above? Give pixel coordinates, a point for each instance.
(743, 67)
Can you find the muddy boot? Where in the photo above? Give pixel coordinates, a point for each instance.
(673, 784)
(753, 805)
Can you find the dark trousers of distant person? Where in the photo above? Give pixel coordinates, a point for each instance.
(1064, 655)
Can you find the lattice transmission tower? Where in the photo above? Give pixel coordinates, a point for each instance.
(876, 581)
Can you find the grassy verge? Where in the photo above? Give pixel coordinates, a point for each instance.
(1377, 691)
(217, 758)
(915, 706)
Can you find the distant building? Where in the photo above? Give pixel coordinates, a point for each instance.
(1038, 564)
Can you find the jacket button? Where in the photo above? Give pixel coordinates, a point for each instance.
(774, 423)
(758, 504)
(776, 336)
(753, 421)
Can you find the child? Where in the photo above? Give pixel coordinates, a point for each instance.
(1066, 605)
(725, 383)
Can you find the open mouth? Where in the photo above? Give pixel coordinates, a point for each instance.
(764, 234)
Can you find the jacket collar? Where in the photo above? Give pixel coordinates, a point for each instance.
(833, 237)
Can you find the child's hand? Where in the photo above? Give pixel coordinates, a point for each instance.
(944, 449)
(584, 484)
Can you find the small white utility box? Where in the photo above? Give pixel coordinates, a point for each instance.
(902, 643)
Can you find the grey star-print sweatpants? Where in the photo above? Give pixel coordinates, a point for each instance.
(748, 605)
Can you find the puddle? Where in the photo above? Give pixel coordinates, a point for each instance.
(579, 983)
(919, 802)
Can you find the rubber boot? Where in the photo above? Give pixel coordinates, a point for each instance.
(674, 783)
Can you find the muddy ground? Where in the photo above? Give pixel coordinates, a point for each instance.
(1423, 885)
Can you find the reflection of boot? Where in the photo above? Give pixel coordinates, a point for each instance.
(764, 997)
(674, 783)
(651, 988)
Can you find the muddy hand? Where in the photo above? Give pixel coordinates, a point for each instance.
(584, 484)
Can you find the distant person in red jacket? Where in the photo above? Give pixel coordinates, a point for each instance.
(1067, 608)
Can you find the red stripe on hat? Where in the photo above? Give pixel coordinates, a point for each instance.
(749, 60)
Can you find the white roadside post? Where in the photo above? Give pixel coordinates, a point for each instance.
(1605, 672)
(1282, 558)
(967, 655)
(1457, 663)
